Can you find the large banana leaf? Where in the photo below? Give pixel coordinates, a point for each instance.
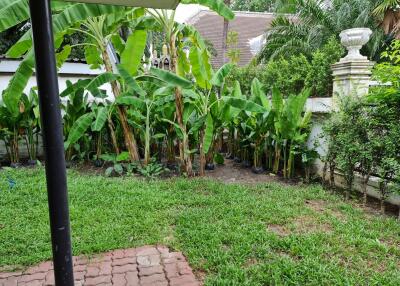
(244, 104)
(79, 128)
(132, 55)
(13, 12)
(215, 5)
(198, 69)
(98, 81)
(67, 18)
(130, 100)
(130, 82)
(100, 119)
(80, 84)
(171, 78)
(258, 93)
(17, 85)
(63, 55)
(277, 100)
(219, 77)
(237, 91)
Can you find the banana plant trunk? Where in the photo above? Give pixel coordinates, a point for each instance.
(147, 139)
(113, 136)
(130, 140)
(183, 144)
(14, 147)
(290, 171)
(202, 154)
(277, 157)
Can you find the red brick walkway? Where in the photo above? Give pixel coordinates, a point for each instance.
(143, 266)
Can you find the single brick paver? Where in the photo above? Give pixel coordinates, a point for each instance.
(142, 266)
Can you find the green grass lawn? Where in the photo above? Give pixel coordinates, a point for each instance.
(267, 234)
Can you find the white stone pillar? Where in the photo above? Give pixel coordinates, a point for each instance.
(352, 74)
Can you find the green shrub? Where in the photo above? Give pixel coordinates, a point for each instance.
(291, 75)
(364, 133)
(287, 75)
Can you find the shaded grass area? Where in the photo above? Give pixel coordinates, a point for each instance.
(269, 234)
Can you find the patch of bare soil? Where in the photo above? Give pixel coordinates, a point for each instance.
(279, 230)
(321, 206)
(232, 172)
(250, 262)
(307, 224)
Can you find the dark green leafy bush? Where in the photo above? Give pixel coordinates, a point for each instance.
(291, 75)
(364, 134)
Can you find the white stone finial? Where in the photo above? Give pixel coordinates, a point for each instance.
(354, 39)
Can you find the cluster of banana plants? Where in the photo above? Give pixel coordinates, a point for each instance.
(269, 132)
(19, 124)
(173, 116)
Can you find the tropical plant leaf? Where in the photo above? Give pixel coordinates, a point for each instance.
(93, 57)
(13, 12)
(79, 128)
(98, 81)
(244, 104)
(100, 119)
(130, 100)
(219, 77)
(67, 18)
(130, 81)
(178, 129)
(171, 78)
(198, 68)
(132, 55)
(80, 84)
(17, 85)
(215, 5)
(277, 100)
(62, 56)
(258, 93)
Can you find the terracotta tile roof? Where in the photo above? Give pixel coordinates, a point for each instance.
(248, 25)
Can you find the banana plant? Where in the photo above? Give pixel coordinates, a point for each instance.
(290, 124)
(11, 115)
(256, 120)
(66, 15)
(95, 120)
(74, 104)
(198, 65)
(31, 123)
(143, 116)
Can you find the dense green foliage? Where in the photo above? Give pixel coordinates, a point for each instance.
(364, 133)
(292, 74)
(316, 22)
(259, 235)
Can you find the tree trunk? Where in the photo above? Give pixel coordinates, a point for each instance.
(113, 136)
(130, 140)
(225, 37)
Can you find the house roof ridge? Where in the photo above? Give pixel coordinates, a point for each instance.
(196, 17)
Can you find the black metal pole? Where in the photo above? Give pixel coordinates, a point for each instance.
(49, 102)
